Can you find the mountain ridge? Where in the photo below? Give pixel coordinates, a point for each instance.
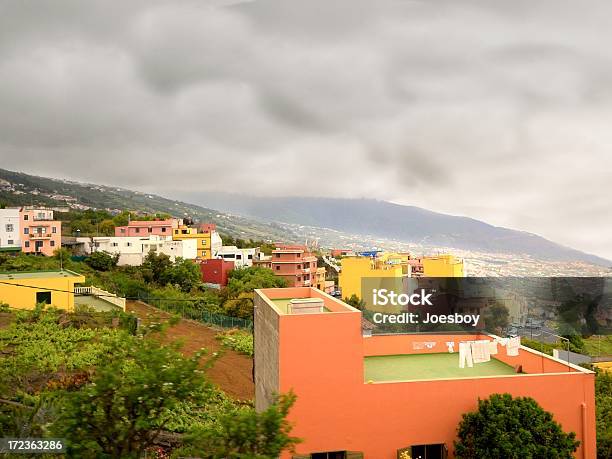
(396, 221)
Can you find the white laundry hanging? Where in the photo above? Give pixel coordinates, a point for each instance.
(480, 351)
(492, 347)
(465, 355)
(512, 348)
(451, 346)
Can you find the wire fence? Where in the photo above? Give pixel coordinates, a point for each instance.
(188, 310)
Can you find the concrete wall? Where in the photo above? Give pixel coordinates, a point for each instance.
(266, 346)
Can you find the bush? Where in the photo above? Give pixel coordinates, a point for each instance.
(102, 261)
(238, 340)
(513, 429)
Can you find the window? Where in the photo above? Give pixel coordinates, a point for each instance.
(150, 229)
(27, 244)
(43, 297)
(138, 230)
(114, 244)
(299, 266)
(250, 257)
(122, 230)
(277, 266)
(163, 229)
(299, 255)
(54, 230)
(299, 279)
(278, 255)
(10, 242)
(330, 455)
(9, 228)
(128, 244)
(26, 231)
(238, 257)
(26, 217)
(52, 243)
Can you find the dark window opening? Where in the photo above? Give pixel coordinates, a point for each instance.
(43, 297)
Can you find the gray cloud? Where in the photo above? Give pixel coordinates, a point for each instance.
(492, 109)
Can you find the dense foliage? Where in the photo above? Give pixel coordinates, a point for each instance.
(238, 340)
(512, 428)
(247, 434)
(128, 401)
(102, 261)
(603, 404)
(82, 377)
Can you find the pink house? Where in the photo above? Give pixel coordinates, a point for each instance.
(139, 228)
(40, 234)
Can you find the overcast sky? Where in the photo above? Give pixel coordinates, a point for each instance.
(498, 110)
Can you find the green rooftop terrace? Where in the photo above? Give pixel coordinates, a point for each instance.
(408, 367)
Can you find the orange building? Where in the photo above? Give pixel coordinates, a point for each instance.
(295, 264)
(361, 396)
(40, 234)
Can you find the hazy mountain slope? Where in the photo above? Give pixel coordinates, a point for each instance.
(29, 189)
(387, 220)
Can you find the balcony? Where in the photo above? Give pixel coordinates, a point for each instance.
(40, 235)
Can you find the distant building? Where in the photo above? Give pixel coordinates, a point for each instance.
(294, 264)
(263, 260)
(337, 253)
(208, 241)
(216, 271)
(442, 266)
(138, 228)
(241, 257)
(133, 250)
(10, 235)
(356, 269)
(40, 234)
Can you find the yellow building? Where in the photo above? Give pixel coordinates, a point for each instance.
(206, 241)
(320, 279)
(357, 271)
(442, 266)
(24, 290)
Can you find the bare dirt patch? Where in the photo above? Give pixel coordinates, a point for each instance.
(232, 372)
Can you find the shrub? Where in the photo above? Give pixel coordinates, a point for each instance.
(512, 428)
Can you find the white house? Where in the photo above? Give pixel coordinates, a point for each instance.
(187, 248)
(133, 250)
(9, 229)
(241, 257)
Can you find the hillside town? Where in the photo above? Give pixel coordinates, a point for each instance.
(264, 300)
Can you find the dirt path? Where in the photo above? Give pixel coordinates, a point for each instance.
(232, 372)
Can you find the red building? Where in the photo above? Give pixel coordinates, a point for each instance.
(216, 271)
(140, 228)
(337, 253)
(295, 264)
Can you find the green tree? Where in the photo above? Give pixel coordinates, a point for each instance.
(154, 266)
(248, 434)
(496, 317)
(102, 261)
(184, 273)
(248, 279)
(513, 429)
(603, 404)
(129, 401)
(355, 301)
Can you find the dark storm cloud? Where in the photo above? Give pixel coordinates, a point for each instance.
(497, 110)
